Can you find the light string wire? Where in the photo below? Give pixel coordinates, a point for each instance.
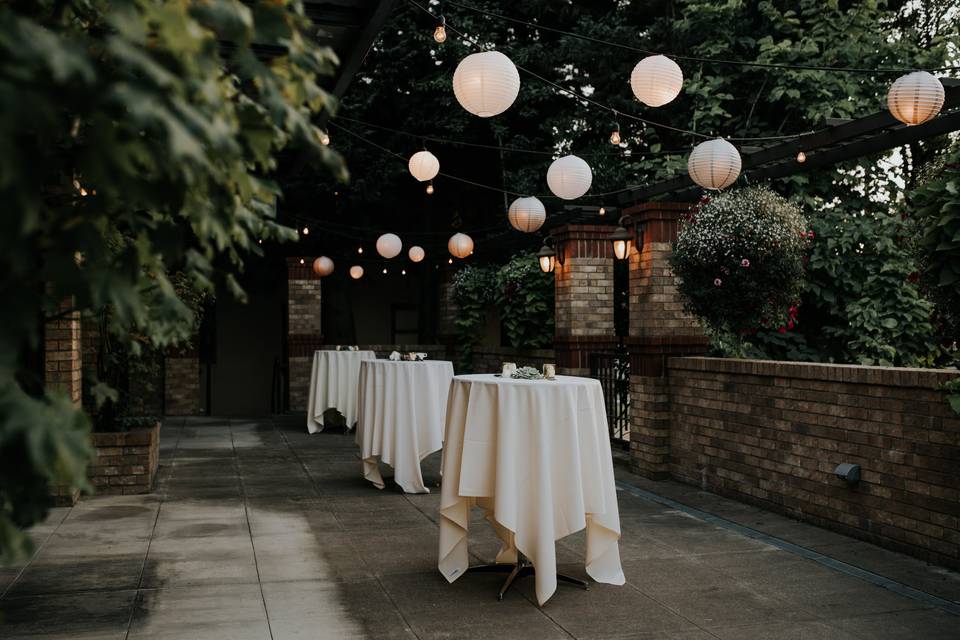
(465, 180)
(613, 153)
(745, 63)
(606, 107)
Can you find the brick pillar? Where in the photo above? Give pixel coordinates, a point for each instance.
(181, 383)
(584, 296)
(62, 359)
(303, 327)
(659, 328)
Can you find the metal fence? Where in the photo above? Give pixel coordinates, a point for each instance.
(613, 372)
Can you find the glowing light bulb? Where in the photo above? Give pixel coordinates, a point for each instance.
(260, 241)
(440, 33)
(301, 260)
(801, 157)
(360, 250)
(403, 272)
(384, 270)
(615, 135)
(602, 211)
(324, 138)
(306, 231)
(449, 260)
(430, 188)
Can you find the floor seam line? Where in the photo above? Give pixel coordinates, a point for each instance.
(854, 571)
(36, 553)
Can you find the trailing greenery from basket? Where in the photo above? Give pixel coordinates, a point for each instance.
(739, 257)
(473, 293)
(524, 295)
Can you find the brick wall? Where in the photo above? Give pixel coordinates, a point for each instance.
(62, 353)
(125, 463)
(446, 305)
(771, 433)
(182, 395)
(304, 331)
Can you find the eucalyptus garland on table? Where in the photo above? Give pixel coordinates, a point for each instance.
(739, 257)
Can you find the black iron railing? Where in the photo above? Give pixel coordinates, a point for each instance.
(613, 372)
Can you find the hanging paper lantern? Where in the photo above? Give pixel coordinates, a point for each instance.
(323, 266)
(356, 272)
(526, 214)
(389, 245)
(460, 245)
(915, 97)
(569, 177)
(656, 80)
(486, 83)
(416, 253)
(714, 164)
(424, 166)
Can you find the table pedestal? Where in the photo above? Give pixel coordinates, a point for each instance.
(521, 569)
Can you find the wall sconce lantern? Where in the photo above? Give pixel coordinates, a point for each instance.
(548, 256)
(621, 239)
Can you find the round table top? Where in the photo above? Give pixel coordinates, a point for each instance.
(388, 362)
(496, 378)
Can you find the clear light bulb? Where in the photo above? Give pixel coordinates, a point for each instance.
(430, 188)
(360, 250)
(306, 231)
(403, 272)
(301, 260)
(449, 260)
(384, 270)
(615, 136)
(801, 157)
(602, 211)
(324, 138)
(440, 33)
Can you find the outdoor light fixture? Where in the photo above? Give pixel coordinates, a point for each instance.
(389, 245)
(306, 231)
(621, 239)
(801, 157)
(440, 33)
(714, 164)
(915, 97)
(384, 271)
(324, 138)
(424, 166)
(460, 245)
(848, 472)
(356, 272)
(430, 188)
(360, 250)
(615, 134)
(547, 258)
(527, 214)
(569, 177)
(656, 80)
(602, 211)
(416, 253)
(486, 83)
(323, 266)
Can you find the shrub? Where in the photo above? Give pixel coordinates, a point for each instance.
(524, 294)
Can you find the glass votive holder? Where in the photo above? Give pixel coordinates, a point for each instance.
(549, 371)
(508, 369)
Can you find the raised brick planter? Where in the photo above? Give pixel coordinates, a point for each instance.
(126, 462)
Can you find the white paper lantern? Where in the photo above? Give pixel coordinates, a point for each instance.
(424, 166)
(527, 214)
(389, 245)
(714, 164)
(915, 97)
(323, 266)
(460, 245)
(569, 177)
(486, 83)
(356, 272)
(416, 253)
(656, 80)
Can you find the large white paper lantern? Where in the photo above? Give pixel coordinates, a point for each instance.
(416, 253)
(356, 272)
(714, 164)
(656, 80)
(389, 245)
(424, 166)
(527, 214)
(915, 97)
(569, 177)
(486, 83)
(460, 245)
(323, 266)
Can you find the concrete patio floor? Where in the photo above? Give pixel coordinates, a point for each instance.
(257, 530)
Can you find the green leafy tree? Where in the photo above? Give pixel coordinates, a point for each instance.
(473, 291)
(524, 295)
(138, 141)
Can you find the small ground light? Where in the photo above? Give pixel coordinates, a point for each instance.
(801, 157)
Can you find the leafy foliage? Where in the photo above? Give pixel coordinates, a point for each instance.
(137, 142)
(524, 295)
(739, 259)
(473, 293)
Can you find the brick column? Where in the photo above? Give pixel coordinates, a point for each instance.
(584, 295)
(659, 328)
(303, 327)
(181, 383)
(62, 359)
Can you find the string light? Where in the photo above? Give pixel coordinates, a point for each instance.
(360, 250)
(449, 260)
(801, 157)
(430, 188)
(403, 272)
(440, 33)
(306, 231)
(301, 261)
(615, 134)
(602, 211)
(384, 271)
(325, 138)
(260, 241)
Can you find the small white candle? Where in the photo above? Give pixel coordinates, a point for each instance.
(508, 369)
(549, 371)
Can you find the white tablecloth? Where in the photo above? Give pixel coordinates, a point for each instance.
(403, 406)
(535, 455)
(333, 385)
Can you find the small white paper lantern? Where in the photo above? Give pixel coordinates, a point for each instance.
(356, 272)
(656, 80)
(714, 164)
(569, 177)
(389, 245)
(527, 214)
(486, 83)
(460, 245)
(416, 253)
(915, 97)
(323, 266)
(424, 166)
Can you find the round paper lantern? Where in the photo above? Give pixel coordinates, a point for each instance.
(323, 266)
(424, 166)
(915, 97)
(460, 245)
(356, 272)
(416, 253)
(526, 214)
(569, 177)
(656, 80)
(714, 164)
(389, 245)
(486, 83)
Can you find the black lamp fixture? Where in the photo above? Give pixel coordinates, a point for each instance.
(548, 257)
(621, 239)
